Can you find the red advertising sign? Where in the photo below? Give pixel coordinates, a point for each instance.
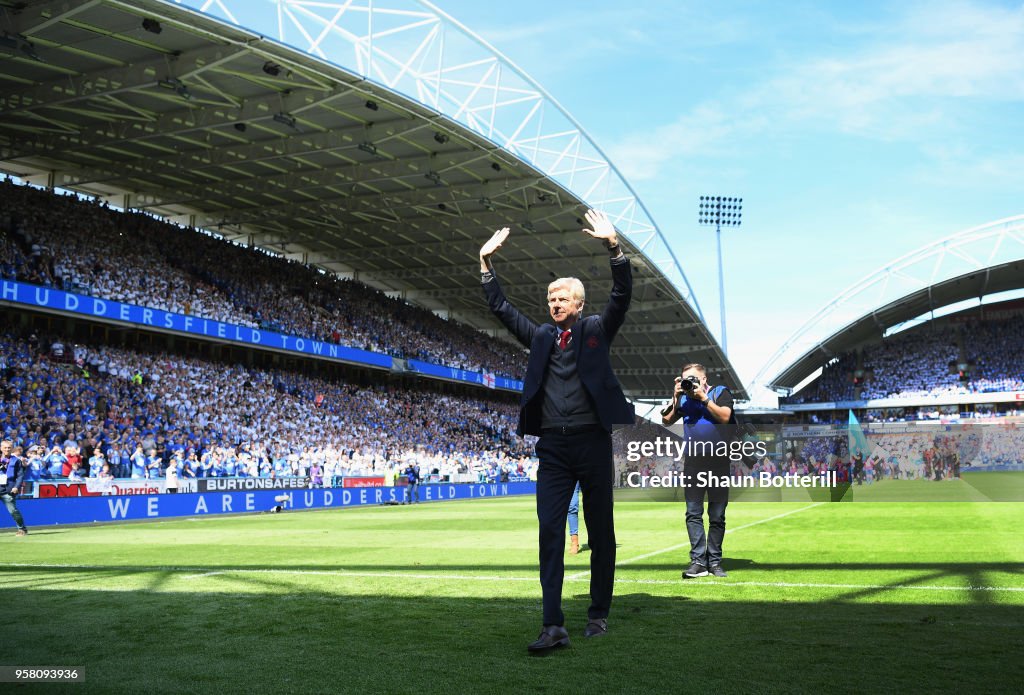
(64, 490)
(95, 488)
(363, 481)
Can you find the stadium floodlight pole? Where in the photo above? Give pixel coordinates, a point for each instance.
(718, 210)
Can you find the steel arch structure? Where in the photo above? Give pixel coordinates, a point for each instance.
(382, 171)
(960, 255)
(413, 48)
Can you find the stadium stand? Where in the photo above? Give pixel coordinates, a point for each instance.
(958, 357)
(78, 245)
(65, 401)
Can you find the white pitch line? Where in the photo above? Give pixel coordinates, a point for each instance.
(816, 585)
(199, 572)
(580, 575)
(707, 584)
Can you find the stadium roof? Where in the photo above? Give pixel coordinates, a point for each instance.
(390, 163)
(974, 264)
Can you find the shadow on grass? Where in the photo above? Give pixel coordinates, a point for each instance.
(278, 642)
(677, 563)
(844, 584)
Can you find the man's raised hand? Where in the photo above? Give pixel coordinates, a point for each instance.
(490, 246)
(601, 227)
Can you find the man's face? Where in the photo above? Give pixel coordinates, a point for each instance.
(563, 308)
(5, 449)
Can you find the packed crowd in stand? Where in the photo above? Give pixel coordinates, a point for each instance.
(912, 364)
(81, 246)
(924, 363)
(994, 348)
(74, 409)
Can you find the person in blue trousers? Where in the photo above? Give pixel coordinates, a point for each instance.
(574, 522)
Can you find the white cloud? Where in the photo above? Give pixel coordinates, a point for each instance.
(891, 91)
(707, 129)
(912, 81)
(955, 162)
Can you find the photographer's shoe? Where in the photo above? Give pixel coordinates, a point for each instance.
(717, 571)
(596, 627)
(551, 637)
(695, 570)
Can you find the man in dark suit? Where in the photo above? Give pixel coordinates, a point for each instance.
(571, 399)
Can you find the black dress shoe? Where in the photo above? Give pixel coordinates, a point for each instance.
(597, 627)
(551, 637)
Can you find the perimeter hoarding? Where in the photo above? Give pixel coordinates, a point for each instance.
(84, 510)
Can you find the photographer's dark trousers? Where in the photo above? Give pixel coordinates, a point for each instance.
(565, 459)
(410, 490)
(706, 549)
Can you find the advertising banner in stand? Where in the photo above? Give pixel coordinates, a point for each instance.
(93, 509)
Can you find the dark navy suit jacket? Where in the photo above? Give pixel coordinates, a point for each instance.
(592, 336)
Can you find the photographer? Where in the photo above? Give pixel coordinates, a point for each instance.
(412, 475)
(705, 414)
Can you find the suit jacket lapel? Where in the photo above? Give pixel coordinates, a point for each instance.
(549, 335)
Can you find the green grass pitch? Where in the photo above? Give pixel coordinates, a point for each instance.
(882, 597)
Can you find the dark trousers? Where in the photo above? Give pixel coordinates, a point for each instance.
(586, 458)
(410, 490)
(706, 549)
(12, 508)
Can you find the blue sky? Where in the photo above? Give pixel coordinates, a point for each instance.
(855, 132)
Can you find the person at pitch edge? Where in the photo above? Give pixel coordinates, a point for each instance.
(706, 415)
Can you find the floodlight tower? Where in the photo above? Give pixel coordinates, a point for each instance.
(717, 210)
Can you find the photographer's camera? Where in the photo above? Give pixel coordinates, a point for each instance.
(690, 383)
